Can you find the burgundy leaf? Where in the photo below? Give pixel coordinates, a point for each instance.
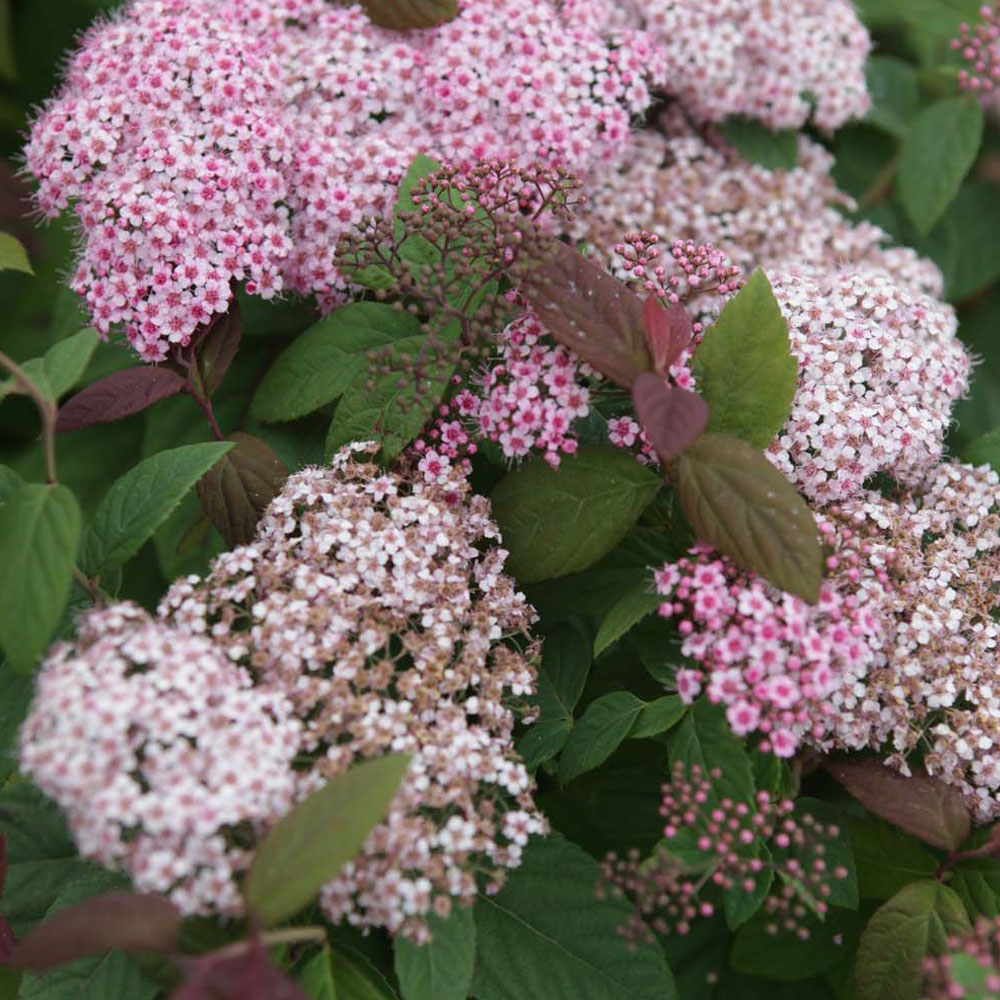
(932, 811)
(591, 313)
(238, 488)
(118, 396)
(217, 347)
(114, 920)
(668, 332)
(672, 418)
(245, 976)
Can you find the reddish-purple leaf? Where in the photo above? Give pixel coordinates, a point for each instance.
(932, 811)
(244, 976)
(118, 396)
(668, 332)
(238, 488)
(591, 313)
(672, 418)
(114, 920)
(217, 347)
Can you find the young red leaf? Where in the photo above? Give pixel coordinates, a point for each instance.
(668, 332)
(217, 347)
(245, 976)
(672, 418)
(932, 811)
(115, 920)
(402, 15)
(590, 312)
(237, 489)
(118, 396)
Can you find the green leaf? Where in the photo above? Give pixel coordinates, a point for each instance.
(894, 87)
(737, 501)
(887, 859)
(969, 973)
(984, 450)
(657, 717)
(9, 482)
(977, 883)
(140, 501)
(61, 368)
(566, 658)
(558, 521)
(310, 845)
(704, 739)
(745, 368)
(17, 690)
(442, 969)
(634, 605)
(938, 152)
(915, 923)
(838, 852)
(316, 977)
(966, 242)
(321, 364)
(13, 256)
(421, 166)
(106, 976)
(42, 857)
(391, 410)
(604, 726)
(739, 905)
(39, 532)
(755, 142)
(546, 936)
(356, 980)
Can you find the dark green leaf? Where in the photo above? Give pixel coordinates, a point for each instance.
(321, 364)
(140, 501)
(442, 969)
(745, 368)
(13, 256)
(985, 450)
(977, 883)
(354, 979)
(887, 859)
(635, 604)
(966, 242)
(937, 153)
(9, 482)
(17, 690)
(704, 739)
(318, 837)
(755, 142)
(915, 923)
(237, 490)
(558, 521)
(605, 724)
(895, 92)
(392, 410)
(401, 15)
(316, 977)
(657, 717)
(547, 936)
(838, 853)
(738, 502)
(39, 532)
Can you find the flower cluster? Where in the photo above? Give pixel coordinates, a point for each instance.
(371, 615)
(142, 733)
(980, 47)
(377, 604)
(975, 955)
(710, 849)
(880, 368)
(676, 181)
(769, 658)
(781, 63)
(206, 144)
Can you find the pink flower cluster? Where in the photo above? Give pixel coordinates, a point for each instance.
(371, 615)
(780, 62)
(981, 948)
(980, 47)
(204, 144)
(773, 661)
(143, 733)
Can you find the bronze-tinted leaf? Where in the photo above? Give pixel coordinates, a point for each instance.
(929, 809)
(124, 920)
(404, 14)
(668, 332)
(118, 396)
(736, 500)
(216, 349)
(672, 418)
(236, 490)
(247, 975)
(591, 313)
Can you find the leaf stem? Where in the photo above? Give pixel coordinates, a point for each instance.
(271, 939)
(46, 411)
